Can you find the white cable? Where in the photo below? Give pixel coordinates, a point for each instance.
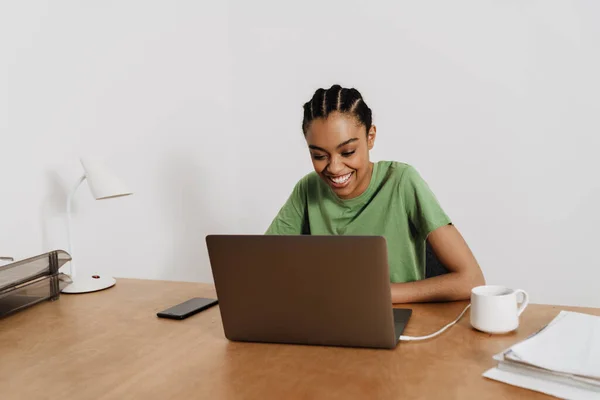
(409, 338)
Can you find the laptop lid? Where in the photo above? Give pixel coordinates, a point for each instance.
(305, 289)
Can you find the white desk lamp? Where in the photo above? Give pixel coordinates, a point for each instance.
(103, 185)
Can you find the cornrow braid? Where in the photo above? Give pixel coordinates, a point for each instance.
(337, 99)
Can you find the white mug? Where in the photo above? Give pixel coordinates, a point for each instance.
(494, 308)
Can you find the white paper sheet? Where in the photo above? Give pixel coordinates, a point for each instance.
(541, 385)
(570, 345)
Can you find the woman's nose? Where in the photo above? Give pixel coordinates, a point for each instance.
(335, 166)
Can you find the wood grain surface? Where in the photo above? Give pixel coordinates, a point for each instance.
(111, 345)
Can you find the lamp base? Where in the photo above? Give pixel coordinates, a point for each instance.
(88, 284)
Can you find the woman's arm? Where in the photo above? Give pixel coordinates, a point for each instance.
(290, 220)
(464, 272)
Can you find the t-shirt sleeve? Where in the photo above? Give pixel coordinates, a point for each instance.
(422, 207)
(290, 219)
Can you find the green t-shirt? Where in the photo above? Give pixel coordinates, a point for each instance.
(398, 204)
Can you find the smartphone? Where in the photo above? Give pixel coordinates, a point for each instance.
(187, 308)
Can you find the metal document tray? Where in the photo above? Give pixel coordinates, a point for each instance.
(30, 281)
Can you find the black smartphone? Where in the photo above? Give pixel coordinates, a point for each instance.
(187, 308)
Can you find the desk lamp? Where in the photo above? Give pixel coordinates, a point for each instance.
(103, 185)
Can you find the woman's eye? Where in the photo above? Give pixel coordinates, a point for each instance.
(348, 153)
(318, 157)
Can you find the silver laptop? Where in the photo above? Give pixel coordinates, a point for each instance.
(305, 289)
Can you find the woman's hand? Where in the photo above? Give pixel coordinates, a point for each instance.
(463, 274)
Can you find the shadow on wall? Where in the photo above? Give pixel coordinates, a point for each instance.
(53, 215)
(189, 201)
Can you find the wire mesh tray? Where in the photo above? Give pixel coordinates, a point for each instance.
(31, 293)
(30, 281)
(32, 268)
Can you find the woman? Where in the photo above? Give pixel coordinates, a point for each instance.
(347, 194)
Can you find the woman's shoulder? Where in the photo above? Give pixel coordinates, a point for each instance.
(309, 179)
(396, 170)
(306, 181)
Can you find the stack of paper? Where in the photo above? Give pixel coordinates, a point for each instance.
(562, 360)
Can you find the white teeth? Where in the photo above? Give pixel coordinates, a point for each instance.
(341, 179)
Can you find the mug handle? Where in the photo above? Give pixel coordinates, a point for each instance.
(524, 303)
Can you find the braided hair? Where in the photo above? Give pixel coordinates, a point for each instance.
(337, 99)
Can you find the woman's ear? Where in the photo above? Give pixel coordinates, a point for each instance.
(371, 137)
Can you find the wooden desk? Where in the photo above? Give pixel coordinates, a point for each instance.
(111, 345)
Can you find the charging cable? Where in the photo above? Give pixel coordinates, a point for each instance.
(410, 338)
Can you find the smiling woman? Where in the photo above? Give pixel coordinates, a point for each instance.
(347, 194)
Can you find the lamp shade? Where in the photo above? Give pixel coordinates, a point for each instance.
(102, 183)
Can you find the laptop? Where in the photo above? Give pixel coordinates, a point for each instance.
(306, 289)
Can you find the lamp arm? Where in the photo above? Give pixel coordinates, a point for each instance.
(69, 239)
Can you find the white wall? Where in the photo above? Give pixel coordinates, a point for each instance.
(144, 84)
(494, 102)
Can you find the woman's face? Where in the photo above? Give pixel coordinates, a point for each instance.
(339, 150)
